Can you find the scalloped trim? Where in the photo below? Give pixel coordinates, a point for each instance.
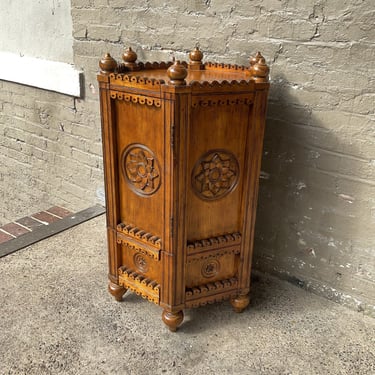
(136, 99)
(135, 80)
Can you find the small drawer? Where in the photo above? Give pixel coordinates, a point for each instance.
(212, 259)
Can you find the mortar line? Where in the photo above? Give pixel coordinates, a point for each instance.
(5, 232)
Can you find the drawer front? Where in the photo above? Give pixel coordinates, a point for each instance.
(212, 259)
(140, 259)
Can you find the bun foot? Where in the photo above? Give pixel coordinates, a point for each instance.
(172, 319)
(240, 303)
(116, 290)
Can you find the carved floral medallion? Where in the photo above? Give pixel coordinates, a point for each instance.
(141, 169)
(140, 262)
(215, 174)
(210, 268)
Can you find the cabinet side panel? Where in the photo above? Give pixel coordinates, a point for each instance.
(110, 173)
(140, 145)
(176, 124)
(216, 165)
(255, 146)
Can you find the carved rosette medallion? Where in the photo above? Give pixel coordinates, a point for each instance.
(215, 174)
(140, 262)
(141, 169)
(210, 268)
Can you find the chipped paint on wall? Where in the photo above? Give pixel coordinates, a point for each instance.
(264, 175)
(347, 198)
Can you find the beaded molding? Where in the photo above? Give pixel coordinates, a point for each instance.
(209, 255)
(233, 67)
(219, 101)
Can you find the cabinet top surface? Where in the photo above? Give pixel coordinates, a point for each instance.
(201, 76)
(177, 73)
(208, 75)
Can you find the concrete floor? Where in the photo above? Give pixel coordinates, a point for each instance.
(57, 318)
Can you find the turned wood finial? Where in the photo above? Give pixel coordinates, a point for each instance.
(196, 57)
(177, 74)
(107, 64)
(255, 58)
(130, 57)
(258, 68)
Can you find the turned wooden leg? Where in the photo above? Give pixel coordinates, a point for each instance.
(239, 303)
(172, 319)
(116, 290)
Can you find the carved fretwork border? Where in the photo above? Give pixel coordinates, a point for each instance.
(136, 99)
(219, 100)
(214, 243)
(139, 240)
(234, 67)
(148, 289)
(134, 80)
(235, 250)
(211, 292)
(222, 86)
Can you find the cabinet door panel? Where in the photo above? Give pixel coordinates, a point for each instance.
(140, 145)
(216, 163)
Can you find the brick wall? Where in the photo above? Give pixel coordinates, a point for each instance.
(50, 151)
(316, 213)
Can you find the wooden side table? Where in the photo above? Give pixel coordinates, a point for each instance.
(182, 152)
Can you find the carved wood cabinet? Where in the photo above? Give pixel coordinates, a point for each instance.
(182, 152)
